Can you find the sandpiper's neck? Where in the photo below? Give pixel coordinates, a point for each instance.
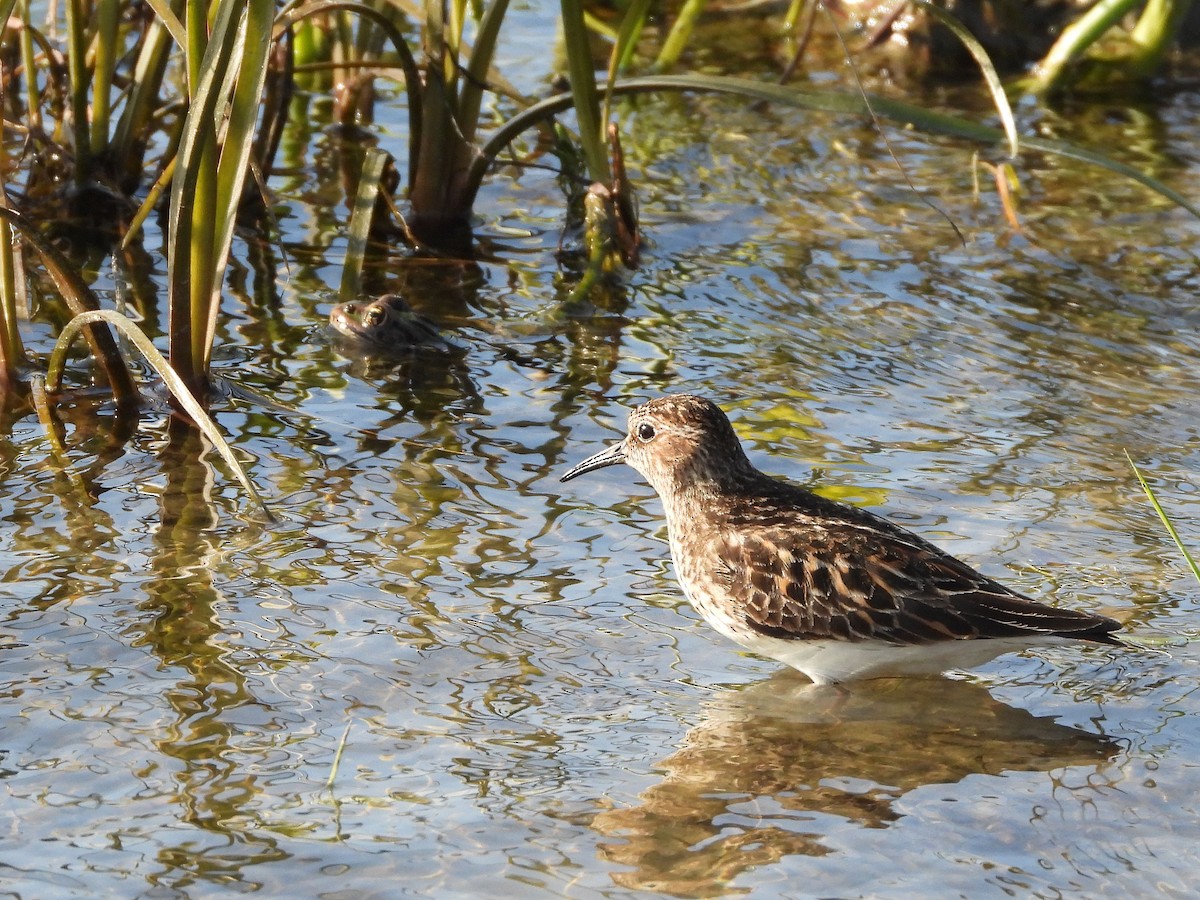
(698, 502)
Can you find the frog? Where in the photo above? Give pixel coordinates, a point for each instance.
(387, 324)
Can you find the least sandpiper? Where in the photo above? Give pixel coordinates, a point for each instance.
(834, 591)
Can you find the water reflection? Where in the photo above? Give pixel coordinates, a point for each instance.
(759, 777)
(176, 679)
(183, 630)
(421, 384)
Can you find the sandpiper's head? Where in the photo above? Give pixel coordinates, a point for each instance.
(673, 441)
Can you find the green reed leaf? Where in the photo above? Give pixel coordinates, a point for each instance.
(819, 100)
(986, 68)
(586, 99)
(366, 201)
(179, 390)
(79, 298)
(1164, 518)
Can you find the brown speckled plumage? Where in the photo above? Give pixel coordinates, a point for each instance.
(830, 589)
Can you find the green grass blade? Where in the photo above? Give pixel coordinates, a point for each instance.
(480, 61)
(1076, 38)
(12, 351)
(990, 76)
(150, 204)
(818, 100)
(80, 80)
(6, 8)
(105, 43)
(207, 184)
(158, 362)
(632, 25)
(1155, 32)
(337, 757)
(41, 406)
(79, 299)
(33, 96)
(170, 21)
(361, 218)
(1164, 518)
(598, 26)
(583, 90)
(677, 38)
(192, 215)
(457, 10)
(238, 142)
(141, 104)
(196, 32)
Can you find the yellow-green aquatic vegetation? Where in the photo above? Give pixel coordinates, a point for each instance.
(1164, 518)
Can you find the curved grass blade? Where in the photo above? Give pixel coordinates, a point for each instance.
(818, 100)
(1164, 518)
(412, 72)
(79, 299)
(41, 406)
(990, 76)
(158, 362)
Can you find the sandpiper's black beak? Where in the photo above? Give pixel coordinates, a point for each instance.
(610, 457)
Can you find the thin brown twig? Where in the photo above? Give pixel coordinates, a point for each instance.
(1006, 198)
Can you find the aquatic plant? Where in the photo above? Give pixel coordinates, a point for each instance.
(205, 86)
(1165, 519)
(227, 65)
(1096, 52)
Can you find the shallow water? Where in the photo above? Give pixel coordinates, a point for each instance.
(498, 670)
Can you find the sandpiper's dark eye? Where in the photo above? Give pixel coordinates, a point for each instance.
(374, 316)
(645, 432)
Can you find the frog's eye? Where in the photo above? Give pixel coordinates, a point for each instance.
(645, 432)
(374, 316)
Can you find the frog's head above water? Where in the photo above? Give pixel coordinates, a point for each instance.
(384, 324)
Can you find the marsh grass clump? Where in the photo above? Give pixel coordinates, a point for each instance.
(123, 109)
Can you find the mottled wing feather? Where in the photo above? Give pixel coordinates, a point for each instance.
(862, 584)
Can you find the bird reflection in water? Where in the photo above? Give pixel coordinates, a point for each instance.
(759, 777)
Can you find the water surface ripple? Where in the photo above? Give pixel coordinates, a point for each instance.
(520, 699)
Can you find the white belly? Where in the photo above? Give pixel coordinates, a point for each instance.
(829, 661)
